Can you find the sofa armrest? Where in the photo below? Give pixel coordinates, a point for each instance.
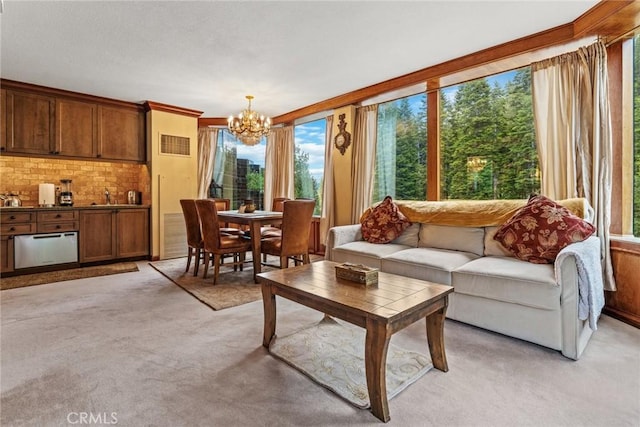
(340, 235)
(575, 332)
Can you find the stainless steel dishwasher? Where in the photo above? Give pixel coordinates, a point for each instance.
(36, 250)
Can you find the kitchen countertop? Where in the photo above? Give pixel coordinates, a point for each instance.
(39, 208)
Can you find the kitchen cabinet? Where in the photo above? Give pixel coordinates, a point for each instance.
(57, 221)
(6, 254)
(132, 230)
(3, 121)
(76, 128)
(97, 235)
(107, 234)
(121, 134)
(30, 123)
(12, 224)
(39, 121)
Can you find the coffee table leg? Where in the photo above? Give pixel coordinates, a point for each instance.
(435, 337)
(269, 303)
(375, 356)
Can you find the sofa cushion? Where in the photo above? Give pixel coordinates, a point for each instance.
(466, 239)
(409, 236)
(510, 280)
(493, 247)
(366, 253)
(434, 265)
(538, 231)
(384, 222)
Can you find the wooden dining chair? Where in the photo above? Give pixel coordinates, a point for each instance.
(275, 230)
(194, 236)
(293, 243)
(216, 243)
(225, 205)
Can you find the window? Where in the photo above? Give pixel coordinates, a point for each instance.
(636, 136)
(487, 138)
(238, 172)
(401, 149)
(309, 161)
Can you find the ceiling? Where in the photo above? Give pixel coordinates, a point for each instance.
(208, 55)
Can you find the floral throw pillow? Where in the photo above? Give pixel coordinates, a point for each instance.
(540, 229)
(384, 222)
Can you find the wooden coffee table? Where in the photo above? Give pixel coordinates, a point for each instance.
(382, 309)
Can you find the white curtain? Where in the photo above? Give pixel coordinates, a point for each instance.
(573, 131)
(364, 156)
(328, 215)
(278, 174)
(207, 142)
(386, 151)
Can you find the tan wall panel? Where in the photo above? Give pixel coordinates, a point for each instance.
(173, 177)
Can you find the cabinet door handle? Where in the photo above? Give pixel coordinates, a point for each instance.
(58, 216)
(58, 227)
(12, 217)
(12, 229)
(2, 148)
(98, 155)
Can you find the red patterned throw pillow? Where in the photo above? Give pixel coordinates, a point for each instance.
(384, 222)
(540, 229)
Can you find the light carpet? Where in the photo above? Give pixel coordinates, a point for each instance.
(62, 275)
(332, 354)
(233, 287)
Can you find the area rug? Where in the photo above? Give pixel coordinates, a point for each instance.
(332, 354)
(61, 275)
(233, 287)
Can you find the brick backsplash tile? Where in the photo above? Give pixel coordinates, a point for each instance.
(21, 175)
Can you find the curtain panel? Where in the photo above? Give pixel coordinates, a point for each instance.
(279, 164)
(207, 143)
(364, 159)
(328, 215)
(573, 134)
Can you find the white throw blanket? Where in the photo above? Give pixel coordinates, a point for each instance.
(590, 282)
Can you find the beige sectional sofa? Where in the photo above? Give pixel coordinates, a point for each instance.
(492, 289)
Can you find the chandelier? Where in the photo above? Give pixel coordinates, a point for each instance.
(249, 126)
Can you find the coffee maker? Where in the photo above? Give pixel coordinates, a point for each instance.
(66, 196)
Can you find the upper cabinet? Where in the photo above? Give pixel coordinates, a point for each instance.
(76, 128)
(120, 134)
(30, 123)
(50, 122)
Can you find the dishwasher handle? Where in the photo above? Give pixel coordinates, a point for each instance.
(46, 236)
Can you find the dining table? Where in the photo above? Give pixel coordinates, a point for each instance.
(254, 220)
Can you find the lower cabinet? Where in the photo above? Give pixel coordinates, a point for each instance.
(6, 254)
(132, 233)
(107, 234)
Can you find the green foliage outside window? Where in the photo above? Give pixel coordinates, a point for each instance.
(401, 150)
(255, 180)
(487, 140)
(305, 185)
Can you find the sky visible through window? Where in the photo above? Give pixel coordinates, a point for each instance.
(310, 137)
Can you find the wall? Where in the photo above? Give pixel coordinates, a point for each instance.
(625, 303)
(21, 175)
(342, 167)
(173, 177)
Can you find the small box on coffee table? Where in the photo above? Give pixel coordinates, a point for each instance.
(357, 273)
